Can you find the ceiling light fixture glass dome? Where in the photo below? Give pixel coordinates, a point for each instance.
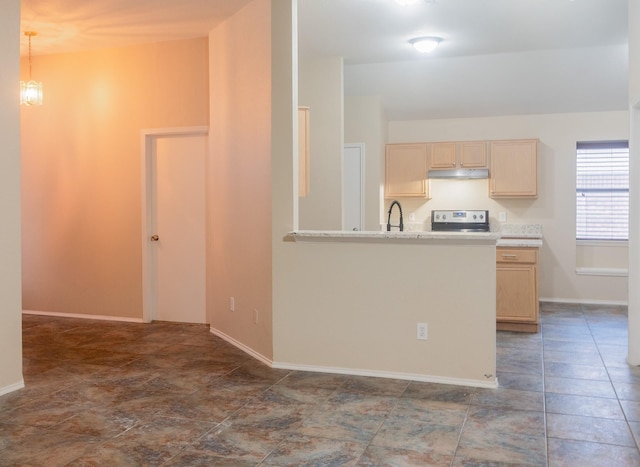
(426, 44)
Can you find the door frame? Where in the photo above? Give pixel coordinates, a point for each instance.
(148, 146)
(362, 182)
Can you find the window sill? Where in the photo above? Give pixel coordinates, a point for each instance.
(612, 272)
(603, 243)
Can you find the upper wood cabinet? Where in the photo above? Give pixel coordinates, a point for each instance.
(452, 155)
(514, 169)
(473, 154)
(406, 171)
(443, 156)
(303, 151)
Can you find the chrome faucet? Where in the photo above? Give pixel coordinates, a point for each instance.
(401, 225)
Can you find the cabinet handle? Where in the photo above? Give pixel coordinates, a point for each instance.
(504, 255)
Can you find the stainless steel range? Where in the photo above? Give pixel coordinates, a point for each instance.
(460, 221)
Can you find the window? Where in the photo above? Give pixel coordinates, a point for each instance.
(602, 190)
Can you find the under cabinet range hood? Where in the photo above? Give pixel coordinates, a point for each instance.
(459, 174)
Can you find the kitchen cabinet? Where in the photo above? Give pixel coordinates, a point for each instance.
(406, 171)
(464, 155)
(303, 151)
(517, 289)
(513, 169)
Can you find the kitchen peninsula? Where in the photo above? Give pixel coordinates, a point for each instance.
(361, 296)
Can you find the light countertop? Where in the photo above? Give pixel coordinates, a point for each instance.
(520, 236)
(520, 242)
(394, 235)
(510, 235)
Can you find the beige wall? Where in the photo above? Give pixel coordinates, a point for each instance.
(634, 51)
(10, 318)
(365, 122)
(239, 181)
(555, 206)
(602, 257)
(634, 191)
(354, 307)
(81, 169)
(284, 144)
(320, 89)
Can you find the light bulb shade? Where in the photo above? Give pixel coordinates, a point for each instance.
(425, 44)
(30, 93)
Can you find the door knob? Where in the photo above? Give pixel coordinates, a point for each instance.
(155, 238)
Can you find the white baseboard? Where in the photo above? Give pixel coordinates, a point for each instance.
(82, 316)
(11, 388)
(241, 346)
(390, 374)
(584, 302)
(354, 372)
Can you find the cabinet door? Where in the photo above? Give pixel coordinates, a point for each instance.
(303, 151)
(406, 170)
(473, 154)
(443, 155)
(514, 169)
(517, 289)
(516, 293)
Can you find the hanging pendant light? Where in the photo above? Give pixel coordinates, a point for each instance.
(30, 91)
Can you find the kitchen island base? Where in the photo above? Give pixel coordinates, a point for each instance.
(350, 303)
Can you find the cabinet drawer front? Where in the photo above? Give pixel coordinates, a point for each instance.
(508, 255)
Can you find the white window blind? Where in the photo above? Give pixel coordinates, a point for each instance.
(602, 190)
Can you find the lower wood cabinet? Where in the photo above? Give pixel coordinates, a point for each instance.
(517, 301)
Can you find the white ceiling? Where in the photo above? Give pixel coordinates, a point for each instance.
(498, 57)
(76, 25)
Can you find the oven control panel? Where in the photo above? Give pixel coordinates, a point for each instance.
(466, 217)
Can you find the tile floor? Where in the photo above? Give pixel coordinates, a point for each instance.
(121, 394)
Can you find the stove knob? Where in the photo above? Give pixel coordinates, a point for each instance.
(481, 216)
(444, 216)
(475, 217)
(437, 216)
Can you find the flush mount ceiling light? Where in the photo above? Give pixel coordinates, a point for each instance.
(30, 91)
(425, 44)
(407, 2)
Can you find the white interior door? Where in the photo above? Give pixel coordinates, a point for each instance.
(353, 187)
(180, 227)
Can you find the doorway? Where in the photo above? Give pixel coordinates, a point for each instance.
(174, 227)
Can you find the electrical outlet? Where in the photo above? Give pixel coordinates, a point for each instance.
(255, 316)
(502, 216)
(232, 304)
(422, 331)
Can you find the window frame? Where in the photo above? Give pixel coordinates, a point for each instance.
(581, 224)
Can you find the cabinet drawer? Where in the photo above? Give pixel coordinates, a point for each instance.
(512, 255)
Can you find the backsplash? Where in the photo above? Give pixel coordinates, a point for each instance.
(519, 230)
(467, 195)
